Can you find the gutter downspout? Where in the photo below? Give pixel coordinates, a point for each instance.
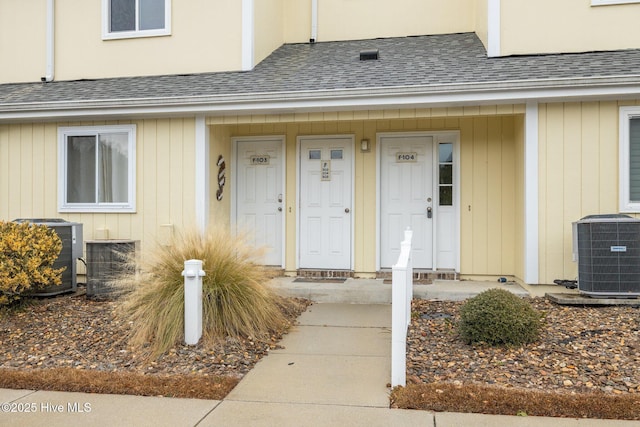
(50, 41)
(314, 21)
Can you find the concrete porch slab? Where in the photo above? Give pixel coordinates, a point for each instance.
(452, 290)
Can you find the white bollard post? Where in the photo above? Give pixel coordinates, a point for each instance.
(192, 274)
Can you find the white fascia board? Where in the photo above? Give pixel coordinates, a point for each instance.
(400, 97)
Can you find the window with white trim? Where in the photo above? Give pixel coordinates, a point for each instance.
(96, 168)
(135, 18)
(629, 159)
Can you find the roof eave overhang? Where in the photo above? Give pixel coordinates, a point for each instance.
(548, 90)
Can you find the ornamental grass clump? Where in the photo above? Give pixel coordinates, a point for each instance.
(236, 299)
(498, 317)
(27, 256)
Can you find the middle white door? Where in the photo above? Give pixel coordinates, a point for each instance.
(325, 195)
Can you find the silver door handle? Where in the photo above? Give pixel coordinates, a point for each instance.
(429, 212)
(346, 210)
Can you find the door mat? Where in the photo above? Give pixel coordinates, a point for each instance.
(320, 280)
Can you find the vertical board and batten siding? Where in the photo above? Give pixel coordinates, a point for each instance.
(578, 168)
(491, 137)
(488, 211)
(165, 158)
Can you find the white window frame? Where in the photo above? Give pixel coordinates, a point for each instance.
(612, 2)
(63, 206)
(626, 114)
(108, 35)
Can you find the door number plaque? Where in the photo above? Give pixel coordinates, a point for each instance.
(411, 157)
(260, 160)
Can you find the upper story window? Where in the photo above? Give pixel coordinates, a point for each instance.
(96, 168)
(629, 151)
(135, 18)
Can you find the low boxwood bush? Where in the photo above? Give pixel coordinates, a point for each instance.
(27, 254)
(498, 317)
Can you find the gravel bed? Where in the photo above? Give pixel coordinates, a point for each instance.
(581, 349)
(76, 332)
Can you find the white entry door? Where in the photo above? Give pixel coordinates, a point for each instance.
(325, 202)
(260, 194)
(406, 198)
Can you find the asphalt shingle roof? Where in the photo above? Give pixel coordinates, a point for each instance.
(421, 61)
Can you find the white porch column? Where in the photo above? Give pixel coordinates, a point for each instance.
(531, 194)
(202, 174)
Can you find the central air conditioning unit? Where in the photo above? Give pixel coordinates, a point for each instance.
(607, 249)
(70, 233)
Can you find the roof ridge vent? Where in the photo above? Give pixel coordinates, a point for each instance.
(368, 55)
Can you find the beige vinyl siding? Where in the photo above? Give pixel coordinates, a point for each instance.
(578, 176)
(365, 19)
(165, 158)
(569, 26)
(23, 21)
(269, 28)
(205, 37)
(489, 173)
(488, 196)
(481, 21)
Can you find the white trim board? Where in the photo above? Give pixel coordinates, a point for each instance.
(493, 28)
(531, 182)
(202, 173)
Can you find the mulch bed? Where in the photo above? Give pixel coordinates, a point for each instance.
(55, 336)
(585, 364)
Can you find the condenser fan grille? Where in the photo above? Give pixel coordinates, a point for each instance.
(609, 256)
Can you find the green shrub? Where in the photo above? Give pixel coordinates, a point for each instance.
(236, 300)
(498, 317)
(27, 254)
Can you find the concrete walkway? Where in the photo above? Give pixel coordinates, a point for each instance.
(333, 371)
